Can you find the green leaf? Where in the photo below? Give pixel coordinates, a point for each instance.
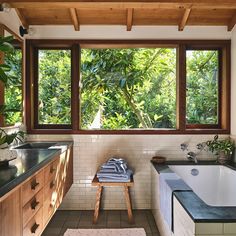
(5, 67)
(10, 138)
(6, 47)
(3, 76)
(6, 39)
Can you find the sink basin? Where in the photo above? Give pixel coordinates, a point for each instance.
(42, 145)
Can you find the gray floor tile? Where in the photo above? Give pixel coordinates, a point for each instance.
(63, 220)
(51, 231)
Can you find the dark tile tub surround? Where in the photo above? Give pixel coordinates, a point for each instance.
(196, 208)
(28, 161)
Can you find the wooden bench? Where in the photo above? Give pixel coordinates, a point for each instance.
(100, 186)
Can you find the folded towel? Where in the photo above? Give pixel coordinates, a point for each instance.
(114, 167)
(119, 165)
(114, 180)
(113, 175)
(114, 170)
(169, 182)
(116, 160)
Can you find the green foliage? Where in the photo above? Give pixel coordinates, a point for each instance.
(5, 47)
(127, 88)
(54, 87)
(134, 88)
(10, 75)
(13, 88)
(10, 138)
(216, 146)
(202, 87)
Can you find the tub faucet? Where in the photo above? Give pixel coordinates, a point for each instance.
(192, 156)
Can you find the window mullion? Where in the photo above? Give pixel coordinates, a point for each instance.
(75, 61)
(181, 88)
(2, 87)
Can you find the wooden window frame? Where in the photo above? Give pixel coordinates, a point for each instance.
(220, 60)
(35, 90)
(182, 45)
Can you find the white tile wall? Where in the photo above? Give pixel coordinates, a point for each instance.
(90, 151)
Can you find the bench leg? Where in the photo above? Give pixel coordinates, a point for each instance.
(97, 204)
(128, 204)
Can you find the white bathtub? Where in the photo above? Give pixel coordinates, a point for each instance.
(215, 185)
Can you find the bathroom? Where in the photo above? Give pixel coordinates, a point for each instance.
(207, 27)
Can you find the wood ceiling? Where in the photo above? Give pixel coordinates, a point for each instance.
(129, 13)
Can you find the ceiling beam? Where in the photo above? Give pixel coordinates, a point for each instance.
(75, 18)
(133, 1)
(148, 4)
(184, 19)
(22, 18)
(232, 22)
(129, 21)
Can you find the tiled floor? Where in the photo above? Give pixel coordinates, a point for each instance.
(63, 220)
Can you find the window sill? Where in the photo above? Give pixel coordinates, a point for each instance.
(128, 132)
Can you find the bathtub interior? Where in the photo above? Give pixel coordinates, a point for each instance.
(214, 184)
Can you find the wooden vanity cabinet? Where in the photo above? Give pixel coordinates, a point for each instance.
(10, 215)
(26, 211)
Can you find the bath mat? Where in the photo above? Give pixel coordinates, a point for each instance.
(105, 232)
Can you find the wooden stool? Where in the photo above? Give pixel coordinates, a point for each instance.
(100, 186)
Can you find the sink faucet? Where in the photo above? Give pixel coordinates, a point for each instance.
(192, 157)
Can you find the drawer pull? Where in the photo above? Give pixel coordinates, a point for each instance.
(34, 184)
(52, 170)
(34, 204)
(34, 228)
(52, 184)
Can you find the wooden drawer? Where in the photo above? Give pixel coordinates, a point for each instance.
(51, 171)
(32, 186)
(32, 207)
(35, 226)
(50, 200)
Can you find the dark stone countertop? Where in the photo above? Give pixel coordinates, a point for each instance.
(196, 208)
(28, 162)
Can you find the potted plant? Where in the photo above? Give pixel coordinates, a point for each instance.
(222, 148)
(7, 139)
(6, 154)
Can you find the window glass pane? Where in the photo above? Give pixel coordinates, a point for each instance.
(128, 88)
(54, 87)
(13, 88)
(202, 86)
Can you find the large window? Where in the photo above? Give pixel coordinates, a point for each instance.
(128, 87)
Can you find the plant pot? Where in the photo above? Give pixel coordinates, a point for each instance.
(222, 158)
